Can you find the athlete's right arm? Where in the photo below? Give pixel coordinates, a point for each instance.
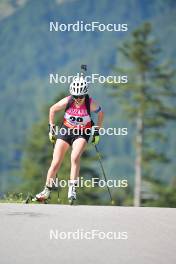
(56, 108)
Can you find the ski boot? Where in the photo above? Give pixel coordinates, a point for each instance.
(72, 192)
(43, 196)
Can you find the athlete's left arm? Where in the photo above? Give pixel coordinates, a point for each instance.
(96, 108)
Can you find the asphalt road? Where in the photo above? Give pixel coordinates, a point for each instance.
(34, 234)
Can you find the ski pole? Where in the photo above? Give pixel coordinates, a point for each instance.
(101, 165)
(58, 197)
(83, 69)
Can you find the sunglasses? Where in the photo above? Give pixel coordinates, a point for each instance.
(78, 96)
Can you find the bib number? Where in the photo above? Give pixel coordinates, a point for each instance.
(76, 119)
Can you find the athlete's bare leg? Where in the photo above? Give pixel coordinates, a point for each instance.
(60, 149)
(78, 148)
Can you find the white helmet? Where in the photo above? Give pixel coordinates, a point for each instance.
(79, 86)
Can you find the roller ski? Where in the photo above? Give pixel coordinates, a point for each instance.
(42, 197)
(72, 193)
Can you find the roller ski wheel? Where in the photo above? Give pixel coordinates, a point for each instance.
(32, 199)
(28, 199)
(72, 200)
(40, 200)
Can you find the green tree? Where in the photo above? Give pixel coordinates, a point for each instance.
(162, 195)
(147, 100)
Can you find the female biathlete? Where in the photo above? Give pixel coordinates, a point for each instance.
(76, 130)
